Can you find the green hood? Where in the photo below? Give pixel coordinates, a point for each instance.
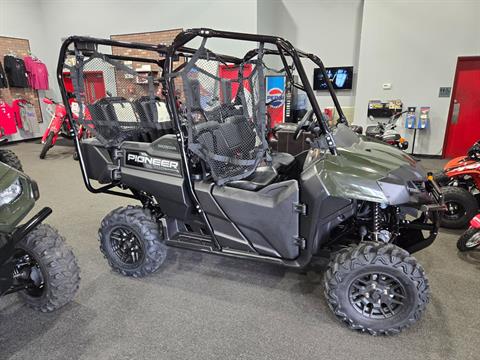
(375, 160)
(368, 170)
(4, 169)
(12, 214)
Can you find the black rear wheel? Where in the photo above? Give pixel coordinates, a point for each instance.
(461, 207)
(132, 241)
(10, 158)
(376, 288)
(469, 240)
(47, 145)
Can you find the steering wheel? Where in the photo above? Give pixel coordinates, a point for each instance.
(303, 124)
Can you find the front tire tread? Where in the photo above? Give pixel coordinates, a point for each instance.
(369, 253)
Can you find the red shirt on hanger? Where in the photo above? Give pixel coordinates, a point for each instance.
(16, 111)
(37, 73)
(7, 119)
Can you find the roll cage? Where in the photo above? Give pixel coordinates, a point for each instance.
(166, 58)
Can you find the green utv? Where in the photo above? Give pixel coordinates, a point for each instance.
(34, 259)
(186, 137)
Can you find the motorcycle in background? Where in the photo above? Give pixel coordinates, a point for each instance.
(386, 132)
(59, 124)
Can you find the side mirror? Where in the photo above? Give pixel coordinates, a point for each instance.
(357, 129)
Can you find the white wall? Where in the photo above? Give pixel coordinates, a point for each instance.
(414, 45)
(327, 28)
(23, 19)
(411, 44)
(102, 18)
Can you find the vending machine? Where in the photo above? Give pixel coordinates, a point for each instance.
(275, 98)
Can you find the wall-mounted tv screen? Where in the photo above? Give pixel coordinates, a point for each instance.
(341, 78)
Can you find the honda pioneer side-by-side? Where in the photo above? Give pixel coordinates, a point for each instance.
(182, 130)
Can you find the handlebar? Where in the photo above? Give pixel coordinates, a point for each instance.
(48, 101)
(391, 118)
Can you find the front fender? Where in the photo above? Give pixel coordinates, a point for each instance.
(455, 162)
(12, 214)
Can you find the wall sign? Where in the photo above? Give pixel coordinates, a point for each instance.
(444, 92)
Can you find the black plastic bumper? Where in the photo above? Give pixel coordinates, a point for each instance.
(415, 241)
(20, 232)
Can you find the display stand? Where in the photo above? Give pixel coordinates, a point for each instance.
(412, 123)
(413, 142)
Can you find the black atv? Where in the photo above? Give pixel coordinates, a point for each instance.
(207, 181)
(9, 157)
(34, 260)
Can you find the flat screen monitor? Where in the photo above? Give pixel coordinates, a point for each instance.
(341, 78)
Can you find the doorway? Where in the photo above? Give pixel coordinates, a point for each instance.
(463, 125)
(93, 82)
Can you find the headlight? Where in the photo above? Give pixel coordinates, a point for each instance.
(11, 193)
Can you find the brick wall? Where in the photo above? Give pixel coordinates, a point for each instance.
(164, 37)
(20, 48)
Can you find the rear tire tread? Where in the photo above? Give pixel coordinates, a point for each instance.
(144, 223)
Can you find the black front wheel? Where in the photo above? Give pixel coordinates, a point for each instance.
(469, 240)
(50, 269)
(47, 145)
(461, 207)
(10, 158)
(132, 241)
(376, 288)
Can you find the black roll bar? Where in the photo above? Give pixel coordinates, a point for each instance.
(186, 36)
(178, 48)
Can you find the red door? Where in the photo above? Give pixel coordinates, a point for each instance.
(93, 82)
(463, 127)
(94, 85)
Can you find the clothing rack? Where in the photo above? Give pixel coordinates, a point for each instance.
(22, 49)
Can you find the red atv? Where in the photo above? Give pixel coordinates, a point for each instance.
(460, 181)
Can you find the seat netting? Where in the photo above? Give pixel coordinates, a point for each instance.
(117, 100)
(225, 114)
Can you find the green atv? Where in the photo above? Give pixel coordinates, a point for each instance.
(34, 259)
(8, 157)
